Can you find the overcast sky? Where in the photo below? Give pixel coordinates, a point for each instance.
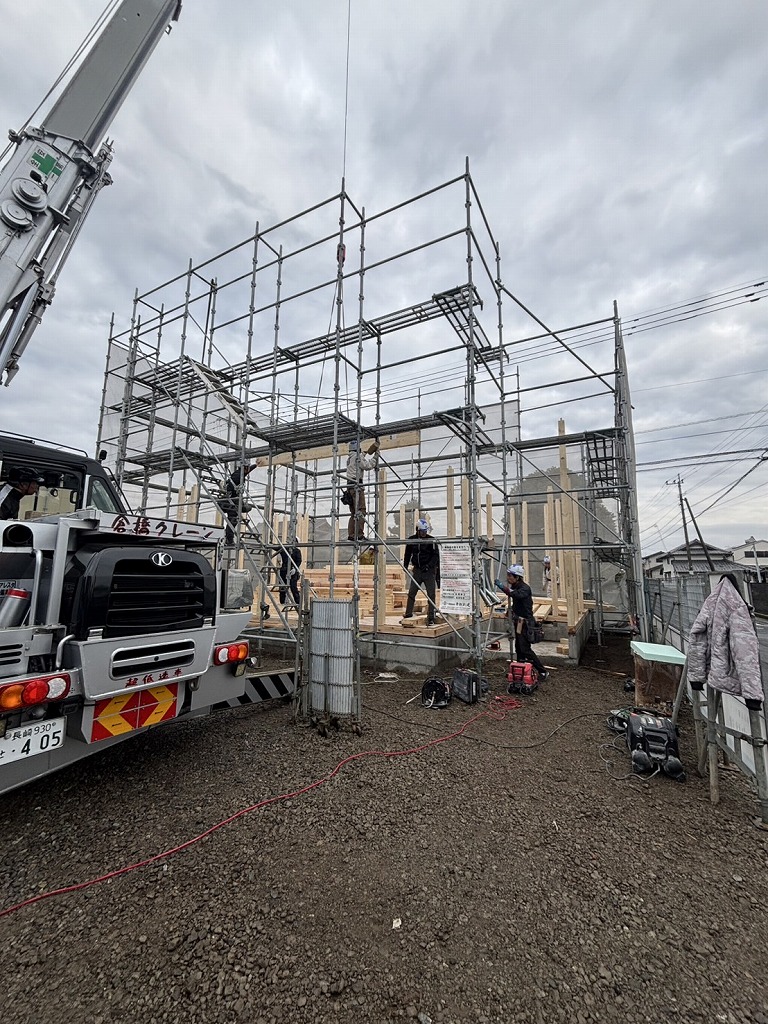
(619, 151)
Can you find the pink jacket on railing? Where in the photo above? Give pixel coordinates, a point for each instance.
(724, 650)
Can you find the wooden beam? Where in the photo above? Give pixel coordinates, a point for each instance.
(386, 442)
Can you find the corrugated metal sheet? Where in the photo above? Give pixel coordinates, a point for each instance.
(332, 656)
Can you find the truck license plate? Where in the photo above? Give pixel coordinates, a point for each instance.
(33, 738)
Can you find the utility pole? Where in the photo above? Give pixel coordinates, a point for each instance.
(751, 540)
(679, 483)
(704, 548)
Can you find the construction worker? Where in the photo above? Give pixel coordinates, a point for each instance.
(358, 464)
(546, 576)
(290, 560)
(20, 483)
(230, 504)
(521, 617)
(423, 554)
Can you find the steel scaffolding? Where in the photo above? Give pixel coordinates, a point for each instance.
(224, 366)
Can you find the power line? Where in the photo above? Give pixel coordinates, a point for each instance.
(717, 500)
(694, 423)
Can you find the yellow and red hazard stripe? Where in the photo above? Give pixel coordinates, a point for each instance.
(115, 716)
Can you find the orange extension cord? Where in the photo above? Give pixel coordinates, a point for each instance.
(497, 710)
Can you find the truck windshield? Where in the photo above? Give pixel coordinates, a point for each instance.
(101, 497)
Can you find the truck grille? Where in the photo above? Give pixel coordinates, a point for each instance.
(144, 599)
(11, 654)
(126, 591)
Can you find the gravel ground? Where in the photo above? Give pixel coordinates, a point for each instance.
(528, 884)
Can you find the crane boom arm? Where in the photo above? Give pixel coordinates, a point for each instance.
(49, 183)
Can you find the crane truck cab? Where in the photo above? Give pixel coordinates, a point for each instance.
(111, 621)
(67, 479)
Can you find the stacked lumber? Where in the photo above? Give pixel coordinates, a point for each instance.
(344, 586)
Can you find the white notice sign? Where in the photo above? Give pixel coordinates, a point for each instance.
(455, 578)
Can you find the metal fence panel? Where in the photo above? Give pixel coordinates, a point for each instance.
(332, 661)
(673, 606)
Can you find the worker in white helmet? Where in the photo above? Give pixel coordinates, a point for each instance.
(521, 617)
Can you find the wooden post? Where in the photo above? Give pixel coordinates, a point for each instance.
(464, 507)
(577, 555)
(381, 554)
(181, 507)
(563, 593)
(302, 528)
(193, 506)
(549, 543)
(524, 513)
(512, 553)
(489, 517)
(450, 504)
(569, 564)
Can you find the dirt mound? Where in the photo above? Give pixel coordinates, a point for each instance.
(508, 874)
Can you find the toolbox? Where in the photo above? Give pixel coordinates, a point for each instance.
(523, 677)
(468, 686)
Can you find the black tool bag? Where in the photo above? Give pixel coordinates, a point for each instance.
(534, 632)
(468, 686)
(652, 742)
(346, 498)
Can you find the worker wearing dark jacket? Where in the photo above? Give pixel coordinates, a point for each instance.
(521, 616)
(423, 554)
(290, 560)
(20, 483)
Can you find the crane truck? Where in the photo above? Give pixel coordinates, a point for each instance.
(111, 622)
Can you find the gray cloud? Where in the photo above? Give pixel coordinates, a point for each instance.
(619, 151)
